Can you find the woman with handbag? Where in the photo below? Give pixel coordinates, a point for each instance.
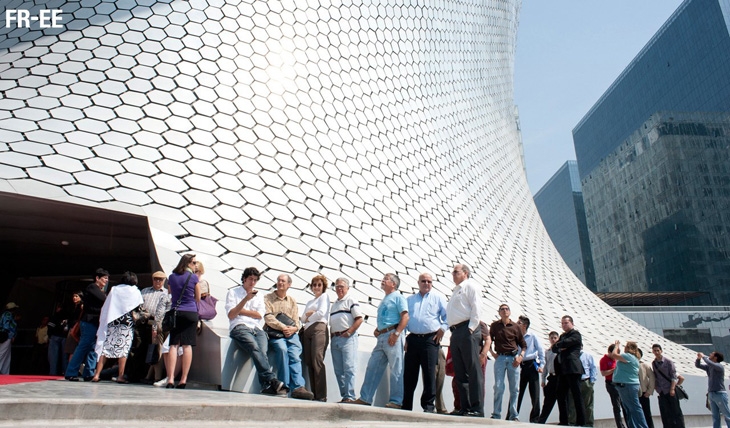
(315, 337)
(185, 295)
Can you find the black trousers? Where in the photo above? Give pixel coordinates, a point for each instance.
(671, 411)
(551, 396)
(468, 373)
(616, 404)
(570, 383)
(421, 355)
(530, 378)
(646, 407)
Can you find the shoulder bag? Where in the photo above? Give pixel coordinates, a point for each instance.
(679, 390)
(170, 319)
(206, 308)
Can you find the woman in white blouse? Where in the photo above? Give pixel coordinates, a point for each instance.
(315, 337)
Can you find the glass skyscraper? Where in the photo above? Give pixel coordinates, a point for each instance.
(560, 204)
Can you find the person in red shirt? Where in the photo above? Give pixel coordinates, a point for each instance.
(607, 366)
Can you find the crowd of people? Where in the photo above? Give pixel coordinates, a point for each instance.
(277, 338)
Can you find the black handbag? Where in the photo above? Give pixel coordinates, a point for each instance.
(278, 334)
(169, 321)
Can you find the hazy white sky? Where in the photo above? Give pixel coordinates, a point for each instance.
(568, 53)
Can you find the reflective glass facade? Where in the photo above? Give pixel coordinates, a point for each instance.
(560, 204)
(658, 208)
(700, 328)
(685, 67)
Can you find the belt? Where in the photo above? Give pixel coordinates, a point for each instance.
(455, 326)
(527, 362)
(619, 384)
(424, 335)
(387, 329)
(338, 333)
(509, 354)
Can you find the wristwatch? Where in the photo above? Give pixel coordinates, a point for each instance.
(396, 332)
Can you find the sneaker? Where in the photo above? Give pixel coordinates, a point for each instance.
(392, 406)
(276, 387)
(160, 383)
(302, 394)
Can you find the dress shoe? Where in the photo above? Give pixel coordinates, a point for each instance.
(443, 411)
(360, 402)
(276, 387)
(347, 400)
(392, 406)
(474, 414)
(457, 412)
(88, 378)
(72, 378)
(301, 393)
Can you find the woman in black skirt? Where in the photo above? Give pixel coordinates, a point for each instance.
(185, 295)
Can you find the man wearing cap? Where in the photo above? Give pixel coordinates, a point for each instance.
(156, 303)
(462, 316)
(8, 328)
(388, 351)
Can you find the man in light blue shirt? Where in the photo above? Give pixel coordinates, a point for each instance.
(426, 327)
(530, 368)
(388, 352)
(587, 380)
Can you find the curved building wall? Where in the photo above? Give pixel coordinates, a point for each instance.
(348, 137)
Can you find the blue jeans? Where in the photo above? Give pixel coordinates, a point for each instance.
(286, 355)
(384, 356)
(255, 342)
(344, 360)
(56, 356)
(629, 393)
(84, 352)
(719, 404)
(501, 365)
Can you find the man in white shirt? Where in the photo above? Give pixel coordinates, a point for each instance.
(246, 309)
(345, 319)
(462, 316)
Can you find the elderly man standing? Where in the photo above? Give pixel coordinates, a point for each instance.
(388, 352)
(156, 303)
(426, 327)
(462, 315)
(287, 349)
(345, 318)
(509, 351)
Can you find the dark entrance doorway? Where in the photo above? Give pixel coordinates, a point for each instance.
(51, 249)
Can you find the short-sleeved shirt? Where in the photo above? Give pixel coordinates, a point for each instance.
(176, 282)
(256, 304)
(390, 309)
(627, 372)
(607, 363)
(343, 313)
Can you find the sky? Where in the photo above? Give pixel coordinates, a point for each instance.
(568, 53)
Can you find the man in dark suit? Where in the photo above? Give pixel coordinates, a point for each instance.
(569, 370)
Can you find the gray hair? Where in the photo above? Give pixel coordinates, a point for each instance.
(393, 277)
(466, 269)
(343, 280)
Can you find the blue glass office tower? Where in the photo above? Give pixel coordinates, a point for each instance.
(652, 156)
(684, 67)
(560, 204)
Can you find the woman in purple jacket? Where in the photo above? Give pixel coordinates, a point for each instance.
(185, 295)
